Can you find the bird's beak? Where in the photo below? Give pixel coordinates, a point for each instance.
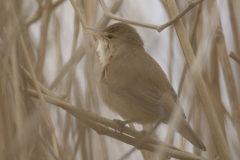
(94, 32)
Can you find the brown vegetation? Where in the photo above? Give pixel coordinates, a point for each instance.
(49, 102)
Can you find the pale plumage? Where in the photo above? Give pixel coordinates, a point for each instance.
(101, 49)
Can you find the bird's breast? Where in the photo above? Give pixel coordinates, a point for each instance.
(104, 55)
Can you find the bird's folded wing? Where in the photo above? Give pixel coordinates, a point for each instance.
(149, 99)
(148, 89)
(146, 97)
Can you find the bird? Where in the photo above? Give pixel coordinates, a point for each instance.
(133, 85)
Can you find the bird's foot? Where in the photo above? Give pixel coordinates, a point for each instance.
(121, 124)
(144, 132)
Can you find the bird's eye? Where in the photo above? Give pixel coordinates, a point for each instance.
(109, 36)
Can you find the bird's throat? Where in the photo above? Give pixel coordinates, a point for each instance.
(104, 55)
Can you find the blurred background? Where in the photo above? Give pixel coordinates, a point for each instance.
(44, 40)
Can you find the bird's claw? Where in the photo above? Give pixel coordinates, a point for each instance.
(121, 124)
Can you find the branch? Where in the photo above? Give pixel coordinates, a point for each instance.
(235, 57)
(37, 15)
(84, 24)
(104, 126)
(44, 89)
(42, 46)
(158, 28)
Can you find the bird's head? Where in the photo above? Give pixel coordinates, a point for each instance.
(114, 40)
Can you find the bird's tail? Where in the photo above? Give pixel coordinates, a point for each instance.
(186, 131)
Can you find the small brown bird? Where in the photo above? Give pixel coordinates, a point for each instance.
(132, 83)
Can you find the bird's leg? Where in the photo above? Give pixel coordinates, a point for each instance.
(147, 134)
(121, 124)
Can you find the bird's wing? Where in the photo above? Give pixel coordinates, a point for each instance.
(148, 88)
(147, 97)
(158, 78)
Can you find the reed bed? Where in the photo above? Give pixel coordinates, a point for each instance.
(50, 106)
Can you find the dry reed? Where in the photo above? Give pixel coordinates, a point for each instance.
(50, 107)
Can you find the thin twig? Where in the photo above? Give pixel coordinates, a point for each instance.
(36, 16)
(48, 147)
(56, 4)
(17, 98)
(158, 28)
(42, 47)
(38, 13)
(235, 57)
(44, 89)
(84, 24)
(234, 25)
(113, 9)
